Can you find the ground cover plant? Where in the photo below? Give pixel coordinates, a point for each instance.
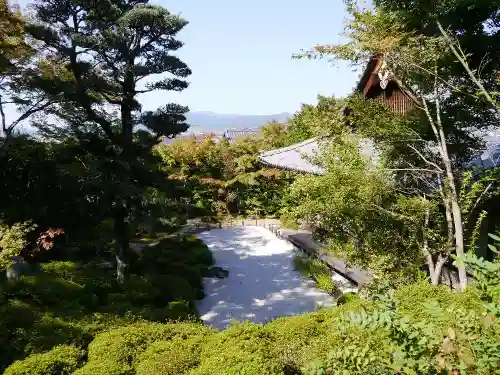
(69, 302)
(418, 329)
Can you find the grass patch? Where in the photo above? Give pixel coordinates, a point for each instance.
(317, 270)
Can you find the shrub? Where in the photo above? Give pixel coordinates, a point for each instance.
(45, 290)
(13, 240)
(347, 298)
(292, 337)
(61, 360)
(288, 221)
(63, 269)
(309, 267)
(240, 349)
(325, 282)
(410, 298)
(189, 251)
(316, 269)
(421, 329)
(157, 289)
(173, 357)
(124, 345)
(106, 367)
(68, 302)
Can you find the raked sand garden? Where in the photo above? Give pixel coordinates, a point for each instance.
(262, 283)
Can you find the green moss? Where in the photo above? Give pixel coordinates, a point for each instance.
(69, 302)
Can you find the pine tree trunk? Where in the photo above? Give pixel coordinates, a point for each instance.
(122, 244)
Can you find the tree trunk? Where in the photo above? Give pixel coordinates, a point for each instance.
(436, 277)
(122, 243)
(455, 207)
(459, 238)
(437, 127)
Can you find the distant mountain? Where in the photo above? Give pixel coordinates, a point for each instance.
(211, 122)
(204, 121)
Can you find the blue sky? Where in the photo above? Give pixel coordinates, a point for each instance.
(240, 54)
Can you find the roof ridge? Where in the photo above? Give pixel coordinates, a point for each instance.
(291, 147)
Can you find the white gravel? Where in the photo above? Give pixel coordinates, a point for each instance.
(262, 283)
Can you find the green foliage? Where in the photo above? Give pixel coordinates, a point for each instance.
(103, 367)
(429, 330)
(13, 240)
(241, 349)
(12, 44)
(420, 329)
(347, 298)
(314, 120)
(173, 357)
(357, 210)
(226, 178)
(70, 302)
(61, 360)
(316, 269)
(124, 346)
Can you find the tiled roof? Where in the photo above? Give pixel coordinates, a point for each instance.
(233, 134)
(295, 157)
(298, 157)
(198, 137)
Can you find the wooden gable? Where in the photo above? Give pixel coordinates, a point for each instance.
(377, 83)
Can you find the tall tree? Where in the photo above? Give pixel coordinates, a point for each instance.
(15, 54)
(449, 104)
(108, 53)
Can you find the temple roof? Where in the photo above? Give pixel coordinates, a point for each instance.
(295, 157)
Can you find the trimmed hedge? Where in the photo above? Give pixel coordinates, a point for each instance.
(61, 360)
(173, 357)
(68, 302)
(124, 346)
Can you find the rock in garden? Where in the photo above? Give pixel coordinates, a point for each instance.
(217, 272)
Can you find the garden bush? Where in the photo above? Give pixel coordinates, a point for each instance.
(173, 357)
(347, 297)
(106, 367)
(124, 345)
(61, 360)
(240, 349)
(69, 302)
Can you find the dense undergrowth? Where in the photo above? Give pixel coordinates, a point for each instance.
(328, 341)
(69, 302)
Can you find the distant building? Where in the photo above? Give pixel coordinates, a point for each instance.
(233, 134)
(198, 137)
(230, 134)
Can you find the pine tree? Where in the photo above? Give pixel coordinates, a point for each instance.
(102, 55)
